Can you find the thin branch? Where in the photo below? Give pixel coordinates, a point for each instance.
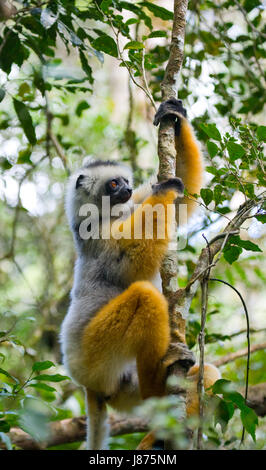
(59, 150)
(201, 340)
(145, 89)
(50, 137)
(251, 330)
(167, 168)
(237, 354)
(74, 430)
(250, 24)
(248, 340)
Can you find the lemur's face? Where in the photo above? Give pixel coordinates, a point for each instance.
(118, 189)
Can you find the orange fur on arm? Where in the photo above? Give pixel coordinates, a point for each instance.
(146, 252)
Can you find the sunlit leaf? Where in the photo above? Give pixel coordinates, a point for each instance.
(106, 44)
(48, 18)
(207, 195)
(51, 378)
(158, 11)
(235, 150)
(250, 421)
(134, 45)
(261, 133)
(37, 366)
(211, 131)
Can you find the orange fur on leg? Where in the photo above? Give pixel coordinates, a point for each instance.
(211, 374)
(134, 325)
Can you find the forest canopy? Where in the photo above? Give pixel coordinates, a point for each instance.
(83, 78)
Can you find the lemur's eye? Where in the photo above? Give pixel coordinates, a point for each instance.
(113, 184)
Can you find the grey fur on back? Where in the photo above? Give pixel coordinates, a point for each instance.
(99, 268)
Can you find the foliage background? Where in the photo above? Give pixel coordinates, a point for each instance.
(70, 78)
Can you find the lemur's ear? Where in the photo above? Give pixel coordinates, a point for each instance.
(79, 181)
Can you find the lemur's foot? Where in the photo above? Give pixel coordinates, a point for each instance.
(179, 353)
(171, 107)
(172, 183)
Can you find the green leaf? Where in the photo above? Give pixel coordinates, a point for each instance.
(4, 426)
(51, 378)
(105, 5)
(24, 157)
(207, 195)
(25, 120)
(5, 164)
(250, 421)
(250, 4)
(212, 148)
(232, 253)
(160, 12)
(223, 413)
(235, 398)
(81, 107)
(224, 387)
(158, 34)
(2, 94)
(24, 89)
(85, 66)
(217, 194)
(235, 150)
(134, 45)
(246, 244)
(221, 386)
(250, 246)
(131, 21)
(12, 51)
(37, 366)
(261, 218)
(211, 131)
(41, 386)
(261, 133)
(4, 372)
(105, 44)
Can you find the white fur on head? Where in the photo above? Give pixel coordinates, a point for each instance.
(95, 174)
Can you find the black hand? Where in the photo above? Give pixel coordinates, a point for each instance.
(171, 183)
(171, 107)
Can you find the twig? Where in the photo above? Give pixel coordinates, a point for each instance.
(124, 62)
(201, 340)
(251, 330)
(145, 78)
(59, 150)
(237, 354)
(250, 24)
(248, 340)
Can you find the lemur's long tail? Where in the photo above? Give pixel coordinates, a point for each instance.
(97, 424)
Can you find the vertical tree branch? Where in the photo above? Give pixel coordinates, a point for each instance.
(166, 146)
(200, 385)
(167, 168)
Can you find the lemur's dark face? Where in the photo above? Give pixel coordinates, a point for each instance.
(119, 190)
